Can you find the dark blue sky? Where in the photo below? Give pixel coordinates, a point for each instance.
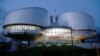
(91, 7)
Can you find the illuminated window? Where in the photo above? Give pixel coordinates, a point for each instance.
(22, 27)
(57, 35)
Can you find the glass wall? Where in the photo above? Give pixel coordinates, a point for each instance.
(55, 36)
(21, 28)
(63, 36)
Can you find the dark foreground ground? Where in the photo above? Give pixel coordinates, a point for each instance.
(52, 51)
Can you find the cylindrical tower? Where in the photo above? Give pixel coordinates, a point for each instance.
(24, 22)
(82, 24)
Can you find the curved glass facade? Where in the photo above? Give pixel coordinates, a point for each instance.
(63, 36)
(21, 28)
(56, 36)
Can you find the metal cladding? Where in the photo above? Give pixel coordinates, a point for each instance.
(78, 20)
(30, 15)
(82, 24)
(26, 20)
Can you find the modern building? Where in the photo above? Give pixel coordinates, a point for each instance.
(24, 23)
(69, 27)
(67, 31)
(83, 25)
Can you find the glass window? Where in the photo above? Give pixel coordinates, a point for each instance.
(22, 27)
(56, 34)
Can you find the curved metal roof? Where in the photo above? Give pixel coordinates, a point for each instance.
(77, 20)
(29, 15)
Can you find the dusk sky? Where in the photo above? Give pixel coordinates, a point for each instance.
(91, 7)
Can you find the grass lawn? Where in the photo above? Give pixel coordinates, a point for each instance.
(52, 51)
